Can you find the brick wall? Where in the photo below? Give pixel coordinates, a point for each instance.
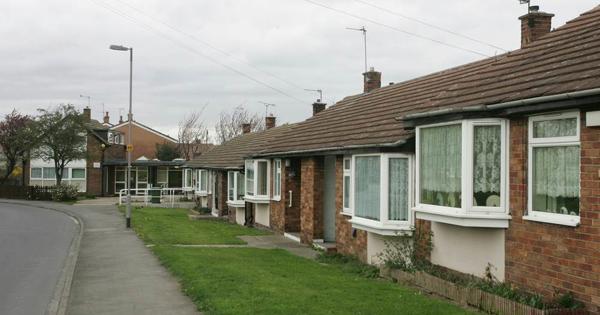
(222, 192)
(348, 241)
(144, 141)
(93, 175)
(311, 199)
(546, 257)
(283, 217)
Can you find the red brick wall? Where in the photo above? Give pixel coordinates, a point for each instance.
(546, 257)
(283, 217)
(222, 192)
(93, 175)
(311, 199)
(348, 241)
(144, 141)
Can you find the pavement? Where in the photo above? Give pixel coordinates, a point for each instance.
(115, 273)
(34, 246)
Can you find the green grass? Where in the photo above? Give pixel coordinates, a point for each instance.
(263, 281)
(172, 226)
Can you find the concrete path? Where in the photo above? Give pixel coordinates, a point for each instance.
(34, 245)
(278, 241)
(117, 274)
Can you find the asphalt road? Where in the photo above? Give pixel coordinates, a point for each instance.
(34, 243)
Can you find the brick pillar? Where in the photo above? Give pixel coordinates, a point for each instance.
(534, 25)
(311, 199)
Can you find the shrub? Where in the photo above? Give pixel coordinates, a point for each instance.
(65, 192)
(408, 252)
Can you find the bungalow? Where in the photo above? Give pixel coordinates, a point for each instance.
(222, 184)
(499, 158)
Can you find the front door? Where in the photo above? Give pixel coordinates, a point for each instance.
(329, 199)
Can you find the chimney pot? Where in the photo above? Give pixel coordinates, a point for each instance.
(246, 128)
(87, 114)
(106, 118)
(269, 122)
(534, 25)
(120, 119)
(372, 80)
(318, 107)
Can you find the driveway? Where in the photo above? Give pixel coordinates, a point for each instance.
(34, 243)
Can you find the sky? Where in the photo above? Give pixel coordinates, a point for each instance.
(192, 55)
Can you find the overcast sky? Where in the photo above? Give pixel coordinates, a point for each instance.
(262, 51)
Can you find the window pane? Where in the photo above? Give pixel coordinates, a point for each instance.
(161, 175)
(120, 175)
(347, 164)
(277, 183)
(262, 178)
(346, 191)
(36, 172)
(440, 166)
(367, 190)
(398, 190)
(556, 179)
(203, 180)
(240, 186)
(487, 156)
(142, 175)
(250, 177)
(49, 173)
(555, 128)
(230, 185)
(78, 173)
(188, 178)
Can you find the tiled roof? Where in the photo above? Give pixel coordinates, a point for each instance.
(565, 60)
(231, 154)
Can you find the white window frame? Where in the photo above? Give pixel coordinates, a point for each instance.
(188, 174)
(233, 200)
(277, 177)
(255, 197)
(383, 226)
(200, 190)
(347, 173)
(546, 217)
(468, 214)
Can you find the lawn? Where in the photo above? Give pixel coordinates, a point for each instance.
(172, 226)
(269, 281)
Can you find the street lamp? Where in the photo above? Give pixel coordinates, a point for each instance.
(129, 144)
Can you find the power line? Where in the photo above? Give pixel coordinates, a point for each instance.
(396, 28)
(207, 44)
(439, 28)
(191, 49)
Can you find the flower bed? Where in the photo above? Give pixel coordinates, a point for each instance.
(470, 296)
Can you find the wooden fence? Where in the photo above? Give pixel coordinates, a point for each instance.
(26, 192)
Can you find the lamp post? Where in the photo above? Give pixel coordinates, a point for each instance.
(129, 144)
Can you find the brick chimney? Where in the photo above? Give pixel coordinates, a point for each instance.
(87, 114)
(534, 25)
(269, 122)
(246, 128)
(372, 80)
(318, 107)
(106, 118)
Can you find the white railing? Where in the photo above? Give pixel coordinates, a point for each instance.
(143, 195)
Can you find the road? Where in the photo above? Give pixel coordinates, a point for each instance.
(34, 243)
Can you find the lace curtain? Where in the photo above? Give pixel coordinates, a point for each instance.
(556, 179)
(367, 187)
(555, 128)
(398, 189)
(486, 159)
(440, 165)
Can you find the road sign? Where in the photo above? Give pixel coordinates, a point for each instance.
(129, 147)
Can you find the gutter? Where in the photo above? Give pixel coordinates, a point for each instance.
(529, 101)
(351, 147)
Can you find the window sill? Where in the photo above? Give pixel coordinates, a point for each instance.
(257, 199)
(201, 193)
(467, 220)
(574, 222)
(236, 204)
(278, 198)
(346, 213)
(380, 228)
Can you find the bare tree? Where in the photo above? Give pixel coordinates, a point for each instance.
(192, 132)
(229, 124)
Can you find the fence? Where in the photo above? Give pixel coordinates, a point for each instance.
(167, 195)
(27, 192)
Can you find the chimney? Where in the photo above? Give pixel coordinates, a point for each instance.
(534, 25)
(106, 118)
(318, 107)
(269, 122)
(87, 114)
(246, 128)
(121, 119)
(372, 80)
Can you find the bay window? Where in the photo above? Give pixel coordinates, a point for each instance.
(554, 167)
(277, 180)
(462, 173)
(203, 181)
(257, 180)
(380, 197)
(235, 186)
(187, 178)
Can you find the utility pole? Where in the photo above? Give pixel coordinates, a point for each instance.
(364, 32)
